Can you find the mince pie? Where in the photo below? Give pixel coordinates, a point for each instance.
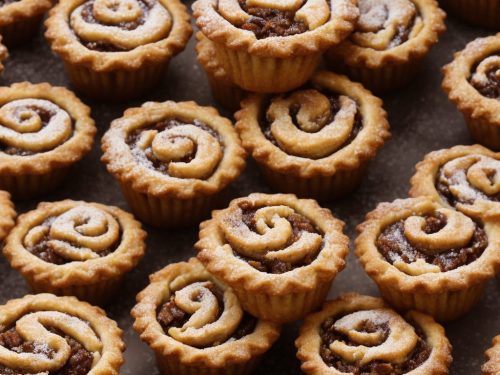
(390, 41)
(44, 130)
(75, 248)
(172, 159)
(273, 45)
(428, 257)
(280, 254)
(492, 366)
(49, 335)
(196, 325)
(7, 214)
(117, 49)
(357, 334)
(472, 82)
(315, 141)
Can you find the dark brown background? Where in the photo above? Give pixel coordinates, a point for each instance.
(421, 119)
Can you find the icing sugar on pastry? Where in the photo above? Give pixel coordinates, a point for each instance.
(486, 78)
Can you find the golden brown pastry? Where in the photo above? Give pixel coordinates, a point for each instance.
(357, 334)
(492, 366)
(271, 45)
(7, 214)
(390, 41)
(472, 82)
(172, 159)
(428, 257)
(315, 141)
(195, 324)
(75, 248)
(45, 334)
(117, 50)
(280, 254)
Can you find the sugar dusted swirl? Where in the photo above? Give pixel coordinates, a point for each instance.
(30, 126)
(486, 77)
(311, 124)
(385, 24)
(120, 25)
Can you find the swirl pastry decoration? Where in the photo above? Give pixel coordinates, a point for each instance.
(79, 234)
(29, 126)
(178, 149)
(310, 124)
(385, 24)
(120, 24)
(271, 234)
(486, 78)
(470, 178)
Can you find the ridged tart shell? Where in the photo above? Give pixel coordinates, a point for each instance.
(20, 10)
(7, 214)
(492, 366)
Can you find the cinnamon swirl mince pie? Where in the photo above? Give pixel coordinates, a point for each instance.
(117, 49)
(75, 248)
(357, 334)
(49, 335)
(389, 43)
(44, 130)
(280, 254)
(472, 81)
(7, 214)
(428, 257)
(273, 45)
(20, 19)
(464, 177)
(171, 160)
(492, 367)
(315, 141)
(195, 324)
(485, 13)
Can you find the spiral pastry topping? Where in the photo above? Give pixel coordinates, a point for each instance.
(385, 24)
(178, 149)
(376, 341)
(272, 18)
(468, 179)
(274, 239)
(30, 126)
(49, 342)
(82, 233)
(486, 77)
(120, 25)
(311, 124)
(438, 242)
(201, 314)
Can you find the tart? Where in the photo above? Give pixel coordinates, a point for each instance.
(472, 82)
(463, 177)
(273, 46)
(44, 130)
(428, 257)
(357, 334)
(117, 50)
(315, 141)
(390, 41)
(172, 159)
(484, 13)
(75, 248)
(4, 54)
(7, 214)
(280, 254)
(223, 90)
(492, 367)
(45, 334)
(195, 324)
(20, 19)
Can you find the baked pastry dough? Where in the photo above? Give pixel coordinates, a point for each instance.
(196, 325)
(492, 366)
(45, 334)
(315, 141)
(20, 19)
(271, 45)
(171, 159)
(390, 41)
(7, 214)
(428, 257)
(75, 248)
(472, 82)
(117, 50)
(43, 131)
(280, 254)
(359, 334)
